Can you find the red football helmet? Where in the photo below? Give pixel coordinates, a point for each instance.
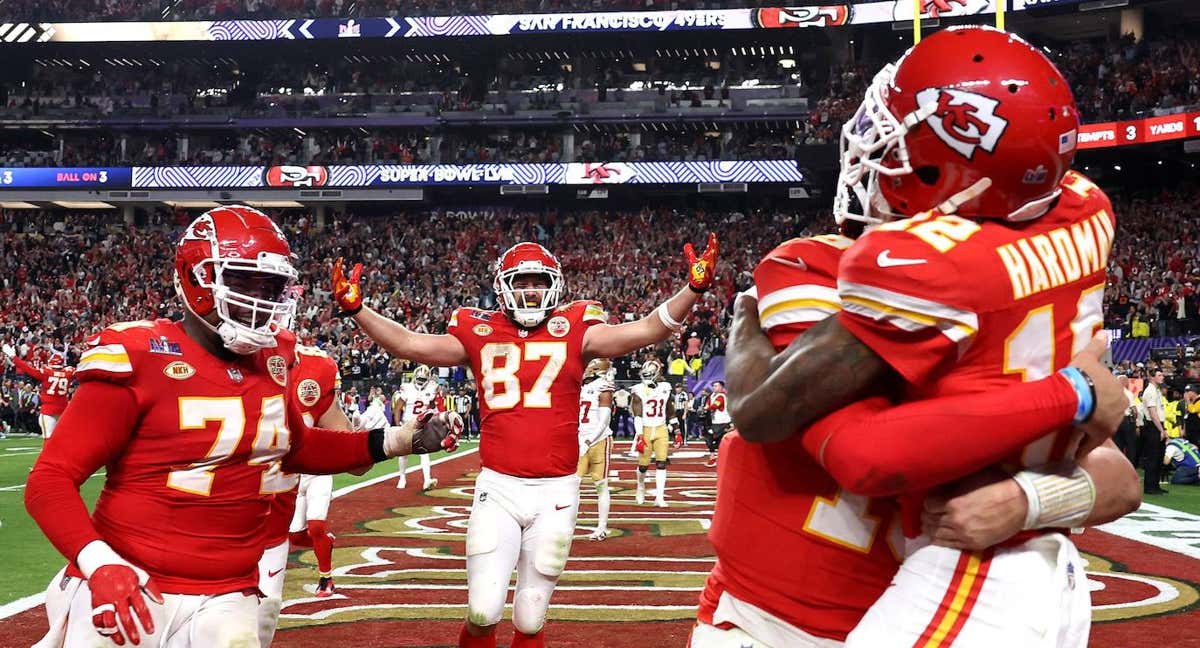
(972, 120)
(56, 361)
(527, 259)
(234, 260)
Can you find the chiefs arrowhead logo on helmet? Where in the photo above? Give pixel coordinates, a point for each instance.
(965, 121)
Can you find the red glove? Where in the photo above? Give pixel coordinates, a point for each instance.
(117, 589)
(346, 290)
(640, 446)
(678, 439)
(702, 270)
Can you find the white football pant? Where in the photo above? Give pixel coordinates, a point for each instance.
(521, 523)
(182, 621)
(1032, 595)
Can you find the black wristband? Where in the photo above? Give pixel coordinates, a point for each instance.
(698, 291)
(1091, 386)
(375, 444)
(348, 313)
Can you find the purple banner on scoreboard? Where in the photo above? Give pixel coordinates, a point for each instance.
(117, 178)
(832, 14)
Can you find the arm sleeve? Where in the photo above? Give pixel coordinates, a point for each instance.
(318, 451)
(907, 302)
(28, 369)
(82, 443)
(876, 449)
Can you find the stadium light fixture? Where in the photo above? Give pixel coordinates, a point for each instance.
(83, 204)
(191, 204)
(787, 63)
(17, 205)
(273, 204)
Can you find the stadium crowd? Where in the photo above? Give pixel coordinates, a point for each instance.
(1128, 78)
(1154, 271)
(64, 279)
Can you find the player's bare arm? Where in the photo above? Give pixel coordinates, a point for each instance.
(991, 507)
(334, 418)
(772, 396)
(614, 340)
(635, 405)
(395, 338)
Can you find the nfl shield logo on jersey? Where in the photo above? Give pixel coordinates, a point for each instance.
(235, 375)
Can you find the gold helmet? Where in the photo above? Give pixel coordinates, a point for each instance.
(597, 368)
(422, 375)
(651, 372)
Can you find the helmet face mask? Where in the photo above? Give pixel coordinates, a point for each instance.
(528, 284)
(233, 271)
(421, 376)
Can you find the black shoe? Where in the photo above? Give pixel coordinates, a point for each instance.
(1157, 491)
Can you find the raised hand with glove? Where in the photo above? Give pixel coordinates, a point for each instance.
(347, 290)
(702, 269)
(425, 434)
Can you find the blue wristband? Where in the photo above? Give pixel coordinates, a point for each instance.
(1085, 391)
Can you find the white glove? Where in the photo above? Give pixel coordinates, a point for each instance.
(9, 350)
(583, 447)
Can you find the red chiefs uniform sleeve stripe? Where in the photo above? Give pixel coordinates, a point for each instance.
(798, 304)
(104, 362)
(909, 313)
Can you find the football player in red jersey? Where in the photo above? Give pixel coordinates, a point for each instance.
(55, 382)
(995, 281)
(189, 418)
(297, 517)
(528, 359)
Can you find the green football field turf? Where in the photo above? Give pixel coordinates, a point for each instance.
(1180, 498)
(32, 560)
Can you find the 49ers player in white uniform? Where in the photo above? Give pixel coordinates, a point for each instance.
(297, 517)
(528, 359)
(652, 406)
(595, 437)
(411, 401)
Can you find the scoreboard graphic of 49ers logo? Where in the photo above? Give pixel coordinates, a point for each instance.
(296, 176)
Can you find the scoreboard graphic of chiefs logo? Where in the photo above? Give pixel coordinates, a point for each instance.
(790, 17)
(297, 176)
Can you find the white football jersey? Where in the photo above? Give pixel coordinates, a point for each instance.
(417, 400)
(589, 402)
(654, 402)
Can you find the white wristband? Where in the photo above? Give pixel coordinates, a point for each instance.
(1057, 500)
(664, 315)
(97, 554)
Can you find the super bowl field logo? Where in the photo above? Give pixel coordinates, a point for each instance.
(308, 391)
